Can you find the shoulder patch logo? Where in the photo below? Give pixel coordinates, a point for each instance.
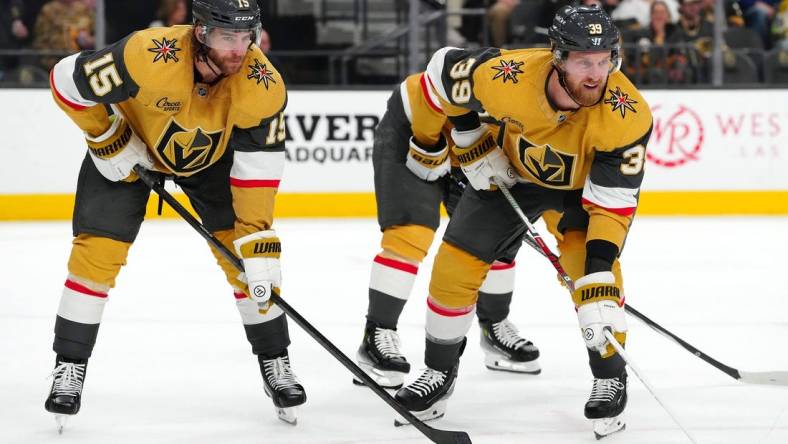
(165, 50)
(260, 72)
(508, 70)
(620, 101)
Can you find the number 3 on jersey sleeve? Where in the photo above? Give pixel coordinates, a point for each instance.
(634, 159)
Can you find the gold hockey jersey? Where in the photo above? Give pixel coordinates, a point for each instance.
(600, 149)
(187, 125)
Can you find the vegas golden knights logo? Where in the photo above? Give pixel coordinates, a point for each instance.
(549, 166)
(186, 151)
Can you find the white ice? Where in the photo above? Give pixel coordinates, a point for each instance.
(172, 364)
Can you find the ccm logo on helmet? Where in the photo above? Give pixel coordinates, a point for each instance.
(244, 18)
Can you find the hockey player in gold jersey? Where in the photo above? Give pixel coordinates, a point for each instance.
(573, 139)
(413, 176)
(202, 105)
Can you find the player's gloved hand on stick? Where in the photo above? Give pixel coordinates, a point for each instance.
(429, 165)
(260, 254)
(482, 159)
(598, 301)
(118, 150)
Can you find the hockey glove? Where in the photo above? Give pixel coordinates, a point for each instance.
(481, 159)
(118, 150)
(260, 254)
(427, 165)
(599, 307)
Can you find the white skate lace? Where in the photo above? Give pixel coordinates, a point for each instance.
(68, 379)
(605, 389)
(278, 373)
(387, 342)
(427, 382)
(508, 335)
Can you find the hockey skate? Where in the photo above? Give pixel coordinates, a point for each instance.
(505, 350)
(65, 396)
(380, 357)
(282, 386)
(605, 406)
(426, 397)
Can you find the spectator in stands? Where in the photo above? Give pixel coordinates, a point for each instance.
(498, 16)
(759, 14)
(647, 62)
(170, 13)
(13, 33)
(66, 25)
(780, 27)
(640, 10)
(692, 40)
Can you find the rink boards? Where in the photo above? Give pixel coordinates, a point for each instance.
(711, 152)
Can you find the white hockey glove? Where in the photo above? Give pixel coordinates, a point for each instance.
(597, 297)
(260, 254)
(118, 150)
(482, 159)
(426, 165)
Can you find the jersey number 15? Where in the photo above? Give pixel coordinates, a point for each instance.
(102, 74)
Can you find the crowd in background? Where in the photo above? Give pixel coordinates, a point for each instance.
(665, 41)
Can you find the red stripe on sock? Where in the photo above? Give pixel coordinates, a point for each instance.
(239, 296)
(402, 266)
(79, 288)
(502, 266)
(450, 312)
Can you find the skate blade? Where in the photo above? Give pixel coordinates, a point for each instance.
(431, 414)
(287, 414)
(385, 378)
(607, 426)
(61, 421)
(499, 363)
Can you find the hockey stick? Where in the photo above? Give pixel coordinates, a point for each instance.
(631, 364)
(570, 286)
(762, 378)
(435, 435)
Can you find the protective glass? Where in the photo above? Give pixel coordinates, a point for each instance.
(229, 39)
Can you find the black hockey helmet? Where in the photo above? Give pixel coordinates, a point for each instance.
(232, 16)
(584, 29)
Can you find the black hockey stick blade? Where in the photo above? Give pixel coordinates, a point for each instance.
(759, 378)
(435, 435)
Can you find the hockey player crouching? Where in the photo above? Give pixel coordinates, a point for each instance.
(203, 105)
(573, 141)
(412, 162)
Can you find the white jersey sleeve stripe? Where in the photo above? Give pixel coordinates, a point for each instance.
(403, 92)
(618, 200)
(258, 165)
(434, 71)
(62, 80)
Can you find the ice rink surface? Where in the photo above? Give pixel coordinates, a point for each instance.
(172, 364)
